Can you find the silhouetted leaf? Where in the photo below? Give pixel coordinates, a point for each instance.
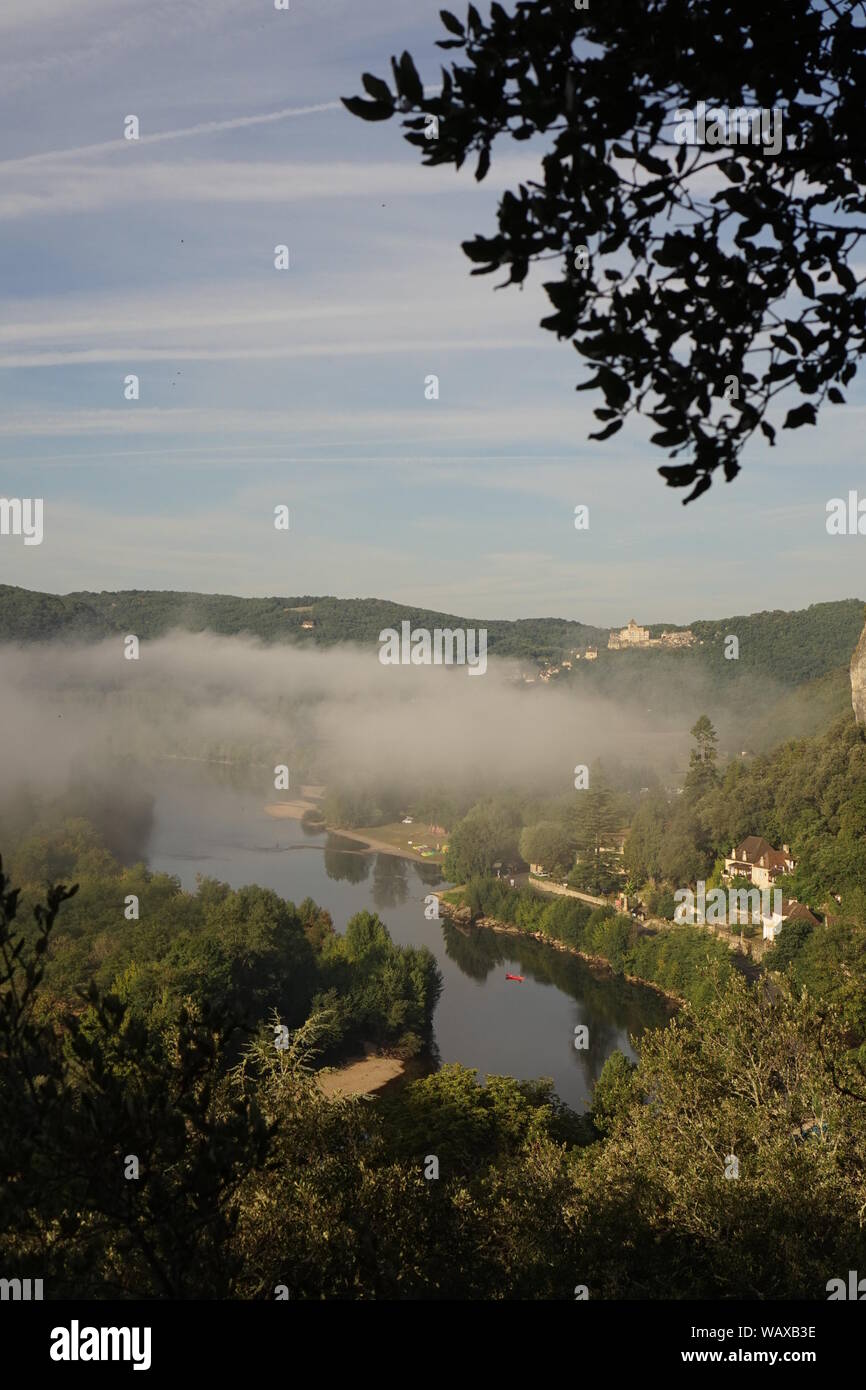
(802, 415)
(679, 475)
(668, 439)
(410, 83)
(700, 487)
(608, 430)
(377, 88)
(368, 110)
(451, 22)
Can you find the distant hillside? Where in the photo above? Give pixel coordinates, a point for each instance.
(790, 679)
(808, 710)
(794, 647)
(29, 616)
(791, 649)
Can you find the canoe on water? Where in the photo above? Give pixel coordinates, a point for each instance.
(519, 978)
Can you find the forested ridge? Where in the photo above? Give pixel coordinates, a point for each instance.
(793, 647)
(29, 616)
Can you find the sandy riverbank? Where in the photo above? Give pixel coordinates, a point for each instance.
(360, 1078)
(291, 810)
(294, 810)
(381, 846)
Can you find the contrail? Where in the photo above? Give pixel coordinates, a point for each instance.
(205, 128)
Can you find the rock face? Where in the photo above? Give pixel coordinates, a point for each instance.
(858, 679)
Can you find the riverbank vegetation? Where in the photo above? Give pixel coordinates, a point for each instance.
(231, 953)
(684, 961)
(808, 793)
(165, 1154)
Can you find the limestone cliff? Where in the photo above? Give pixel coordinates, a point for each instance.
(858, 679)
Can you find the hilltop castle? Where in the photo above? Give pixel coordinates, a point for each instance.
(634, 636)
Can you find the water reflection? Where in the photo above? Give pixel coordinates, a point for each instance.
(390, 881)
(609, 1005)
(345, 862)
(481, 1020)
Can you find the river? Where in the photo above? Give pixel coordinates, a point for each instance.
(482, 1020)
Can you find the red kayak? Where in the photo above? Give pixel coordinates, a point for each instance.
(519, 978)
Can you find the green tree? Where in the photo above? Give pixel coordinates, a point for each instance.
(685, 856)
(788, 944)
(549, 844)
(614, 1091)
(702, 775)
(485, 835)
(743, 1078)
(80, 1095)
(595, 824)
(645, 842)
(660, 902)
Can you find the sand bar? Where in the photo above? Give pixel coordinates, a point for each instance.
(360, 1078)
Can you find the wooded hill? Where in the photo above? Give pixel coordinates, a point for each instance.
(28, 616)
(793, 647)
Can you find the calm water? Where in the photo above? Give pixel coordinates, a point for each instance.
(482, 1020)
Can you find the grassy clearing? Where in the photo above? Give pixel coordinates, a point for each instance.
(398, 836)
(454, 897)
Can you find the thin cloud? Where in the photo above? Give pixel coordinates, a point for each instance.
(45, 185)
(394, 424)
(183, 133)
(361, 348)
(382, 311)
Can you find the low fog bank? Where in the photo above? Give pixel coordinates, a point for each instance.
(85, 717)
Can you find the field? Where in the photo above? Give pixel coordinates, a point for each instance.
(395, 837)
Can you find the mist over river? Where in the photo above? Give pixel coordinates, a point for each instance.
(202, 825)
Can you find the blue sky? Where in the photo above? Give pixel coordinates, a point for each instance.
(306, 387)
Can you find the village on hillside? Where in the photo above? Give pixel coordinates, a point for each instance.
(633, 636)
(630, 638)
(754, 896)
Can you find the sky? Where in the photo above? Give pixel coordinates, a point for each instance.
(306, 387)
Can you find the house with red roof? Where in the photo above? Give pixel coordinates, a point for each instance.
(755, 859)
